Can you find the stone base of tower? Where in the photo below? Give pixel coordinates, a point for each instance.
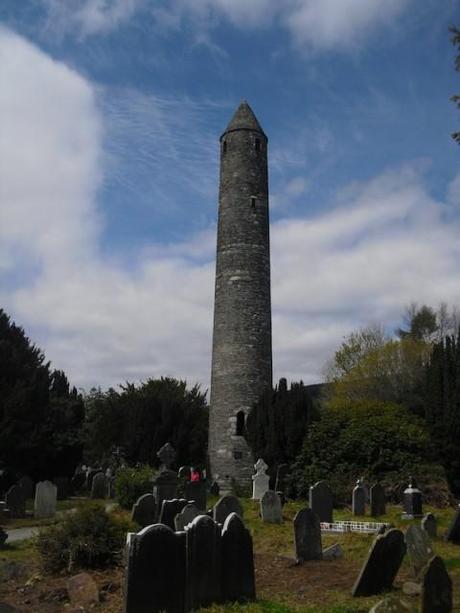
(232, 465)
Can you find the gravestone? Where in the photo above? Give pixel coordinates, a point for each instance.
(320, 498)
(155, 571)
(430, 525)
(238, 577)
(63, 487)
(165, 487)
(214, 489)
(169, 510)
(99, 486)
(226, 505)
(90, 474)
(358, 504)
(381, 565)
(419, 548)
(184, 473)
(203, 550)
(16, 501)
(27, 485)
(377, 500)
(143, 511)
(185, 517)
(45, 500)
(307, 536)
(436, 588)
(412, 501)
(453, 531)
(166, 455)
(270, 508)
(260, 480)
(196, 491)
(3, 537)
(391, 604)
(282, 473)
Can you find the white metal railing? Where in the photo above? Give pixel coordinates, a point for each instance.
(353, 526)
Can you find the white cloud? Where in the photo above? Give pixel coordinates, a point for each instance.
(384, 244)
(325, 24)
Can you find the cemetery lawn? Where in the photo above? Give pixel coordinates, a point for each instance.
(282, 587)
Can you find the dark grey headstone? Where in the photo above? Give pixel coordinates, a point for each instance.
(238, 577)
(186, 516)
(3, 537)
(27, 485)
(320, 498)
(99, 486)
(226, 505)
(143, 511)
(436, 588)
(16, 501)
(203, 538)
(429, 524)
(358, 503)
(271, 510)
(196, 491)
(155, 571)
(45, 500)
(453, 531)
(166, 455)
(381, 565)
(281, 477)
(90, 474)
(377, 500)
(307, 536)
(215, 489)
(184, 473)
(412, 501)
(419, 548)
(169, 510)
(165, 487)
(63, 487)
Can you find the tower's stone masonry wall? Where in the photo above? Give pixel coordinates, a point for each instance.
(242, 348)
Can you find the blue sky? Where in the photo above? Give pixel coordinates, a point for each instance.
(111, 113)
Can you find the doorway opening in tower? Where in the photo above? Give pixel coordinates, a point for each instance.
(240, 423)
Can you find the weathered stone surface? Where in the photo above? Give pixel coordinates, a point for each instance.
(184, 473)
(453, 532)
(169, 510)
(320, 498)
(237, 571)
(90, 474)
(28, 485)
(203, 544)
(155, 572)
(16, 501)
(333, 552)
(242, 347)
(82, 590)
(186, 516)
(419, 548)
(436, 588)
(45, 500)
(282, 474)
(99, 486)
(410, 588)
(358, 503)
(429, 524)
(260, 480)
(214, 489)
(282, 498)
(196, 491)
(270, 508)
(226, 505)
(377, 500)
(307, 536)
(165, 487)
(166, 455)
(381, 565)
(144, 510)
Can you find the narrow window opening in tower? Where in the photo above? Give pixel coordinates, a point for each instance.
(253, 202)
(240, 423)
(257, 144)
(224, 147)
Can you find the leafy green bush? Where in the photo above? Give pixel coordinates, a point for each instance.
(131, 483)
(88, 538)
(373, 439)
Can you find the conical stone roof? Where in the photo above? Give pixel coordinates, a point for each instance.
(244, 119)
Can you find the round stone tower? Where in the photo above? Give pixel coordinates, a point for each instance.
(242, 340)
